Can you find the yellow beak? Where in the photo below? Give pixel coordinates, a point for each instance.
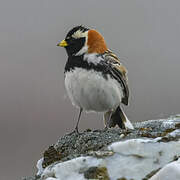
(63, 43)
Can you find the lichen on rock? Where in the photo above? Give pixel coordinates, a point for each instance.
(113, 153)
(99, 173)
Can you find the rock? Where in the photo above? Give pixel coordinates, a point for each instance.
(149, 151)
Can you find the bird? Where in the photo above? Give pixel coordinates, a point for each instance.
(95, 79)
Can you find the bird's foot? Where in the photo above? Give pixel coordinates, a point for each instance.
(75, 131)
(105, 128)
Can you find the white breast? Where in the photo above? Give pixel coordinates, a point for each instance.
(91, 91)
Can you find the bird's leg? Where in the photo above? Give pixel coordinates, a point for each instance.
(76, 128)
(107, 119)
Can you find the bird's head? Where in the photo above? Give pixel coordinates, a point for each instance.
(81, 40)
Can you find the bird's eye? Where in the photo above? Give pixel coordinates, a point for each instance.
(67, 38)
(70, 40)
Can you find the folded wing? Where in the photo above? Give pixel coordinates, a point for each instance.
(118, 71)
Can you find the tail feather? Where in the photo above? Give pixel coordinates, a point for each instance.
(117, 117)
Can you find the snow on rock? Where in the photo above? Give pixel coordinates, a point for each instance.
(150, 151)
(133, 158)
(170, 171)
(70, 170)
(39, 166)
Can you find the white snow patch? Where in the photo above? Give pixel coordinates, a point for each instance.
(39, 166)
(170, 171)
(50, 178)
(175, 133)
(135, 158)
(70, 170)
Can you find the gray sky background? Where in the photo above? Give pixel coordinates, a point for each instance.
(34, 108)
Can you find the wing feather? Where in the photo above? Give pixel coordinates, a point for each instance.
(119, 72)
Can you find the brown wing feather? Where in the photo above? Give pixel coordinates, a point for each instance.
(119, 71)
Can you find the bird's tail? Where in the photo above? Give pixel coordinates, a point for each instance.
(117, 117)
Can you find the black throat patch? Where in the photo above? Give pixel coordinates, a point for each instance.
(74, 45)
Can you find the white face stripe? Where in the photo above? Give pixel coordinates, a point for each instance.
(80, 34)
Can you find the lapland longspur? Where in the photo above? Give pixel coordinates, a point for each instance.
(95, 79)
